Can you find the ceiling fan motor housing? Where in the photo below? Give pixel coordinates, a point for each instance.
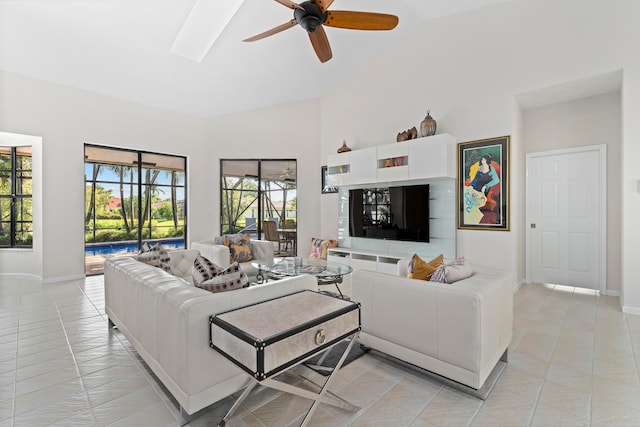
(311, 17)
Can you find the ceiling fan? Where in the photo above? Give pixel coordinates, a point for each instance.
(313, 14)
(287, 174)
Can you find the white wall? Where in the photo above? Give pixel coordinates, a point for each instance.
(467, 69)
(287, 131)
(587, 121)
(67, 118)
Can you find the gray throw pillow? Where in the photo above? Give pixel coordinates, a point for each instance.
(155, 255)
(229, 279)
(203, 270)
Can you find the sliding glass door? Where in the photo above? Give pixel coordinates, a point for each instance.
(256, 190)
(131, 197)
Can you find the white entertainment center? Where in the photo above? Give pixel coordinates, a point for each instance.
(429, 160)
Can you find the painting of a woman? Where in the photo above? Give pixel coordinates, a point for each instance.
(485, 176)
(482, 184)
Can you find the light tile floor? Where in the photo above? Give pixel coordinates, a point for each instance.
(574, 361)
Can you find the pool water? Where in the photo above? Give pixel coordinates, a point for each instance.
(123, 248)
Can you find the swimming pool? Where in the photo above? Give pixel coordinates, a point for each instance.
(117, 248)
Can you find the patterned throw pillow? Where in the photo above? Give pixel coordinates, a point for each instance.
(452, 272)
(239, 247)
(203, 270)
(229, 279)
(319, 247)
(420, 269)
(155, 255)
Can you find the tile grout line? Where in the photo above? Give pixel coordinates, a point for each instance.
(148, 376)
(75, 364)
(544, 380)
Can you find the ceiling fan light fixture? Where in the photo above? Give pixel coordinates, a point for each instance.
(310, 17)
(310, 23)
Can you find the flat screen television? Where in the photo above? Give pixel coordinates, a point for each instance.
(392, 213)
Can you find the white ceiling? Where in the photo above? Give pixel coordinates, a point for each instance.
(122, 48)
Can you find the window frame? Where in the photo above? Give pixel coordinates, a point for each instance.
(17, 196)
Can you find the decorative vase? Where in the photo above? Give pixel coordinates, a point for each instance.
(428, 126)
(344, 147)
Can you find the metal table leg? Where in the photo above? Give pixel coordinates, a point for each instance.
(323, 396)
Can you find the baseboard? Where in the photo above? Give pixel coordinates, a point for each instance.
(62, 279)
(20, 276)
(517, 286)
(631, 310)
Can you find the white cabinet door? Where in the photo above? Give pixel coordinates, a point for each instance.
(363, 166)
(432, 157)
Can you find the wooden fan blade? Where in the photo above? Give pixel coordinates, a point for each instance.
(290, 4)
(322, 4)
(272, 31)
(361, 20)
(320, 44)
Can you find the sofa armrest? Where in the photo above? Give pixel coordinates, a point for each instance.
(218, 254)
(262, 250)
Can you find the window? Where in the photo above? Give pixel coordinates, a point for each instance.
(131, 197)
(16, 208)
(257, 190)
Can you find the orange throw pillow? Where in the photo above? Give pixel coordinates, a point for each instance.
(422, 270)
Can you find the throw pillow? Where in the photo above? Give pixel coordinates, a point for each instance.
(319, 247)
(229, 279)
(239, 247)
(155, 255)
(422, 270)
(203, 270)
(453, 271)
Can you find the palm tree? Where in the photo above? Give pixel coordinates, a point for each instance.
(149, 189)
(92, 201)
(120, 170)
(174, 197)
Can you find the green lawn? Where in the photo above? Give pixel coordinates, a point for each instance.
(112, 230)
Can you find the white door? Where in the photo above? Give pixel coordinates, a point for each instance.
(566, 217)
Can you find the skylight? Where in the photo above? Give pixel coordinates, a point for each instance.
(206, 21)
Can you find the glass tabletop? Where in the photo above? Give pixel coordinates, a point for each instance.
(294, 266)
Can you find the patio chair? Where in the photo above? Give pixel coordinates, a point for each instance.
(271, 234)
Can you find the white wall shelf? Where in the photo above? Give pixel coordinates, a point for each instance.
(422, 158)
(351, 168)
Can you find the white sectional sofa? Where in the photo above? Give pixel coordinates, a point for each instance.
(459, 331)
(166, 319)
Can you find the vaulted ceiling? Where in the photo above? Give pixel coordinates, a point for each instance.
(122, 48)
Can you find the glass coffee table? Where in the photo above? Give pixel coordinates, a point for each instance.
(326, 272)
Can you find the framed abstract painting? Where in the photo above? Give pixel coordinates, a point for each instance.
(483, 184)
